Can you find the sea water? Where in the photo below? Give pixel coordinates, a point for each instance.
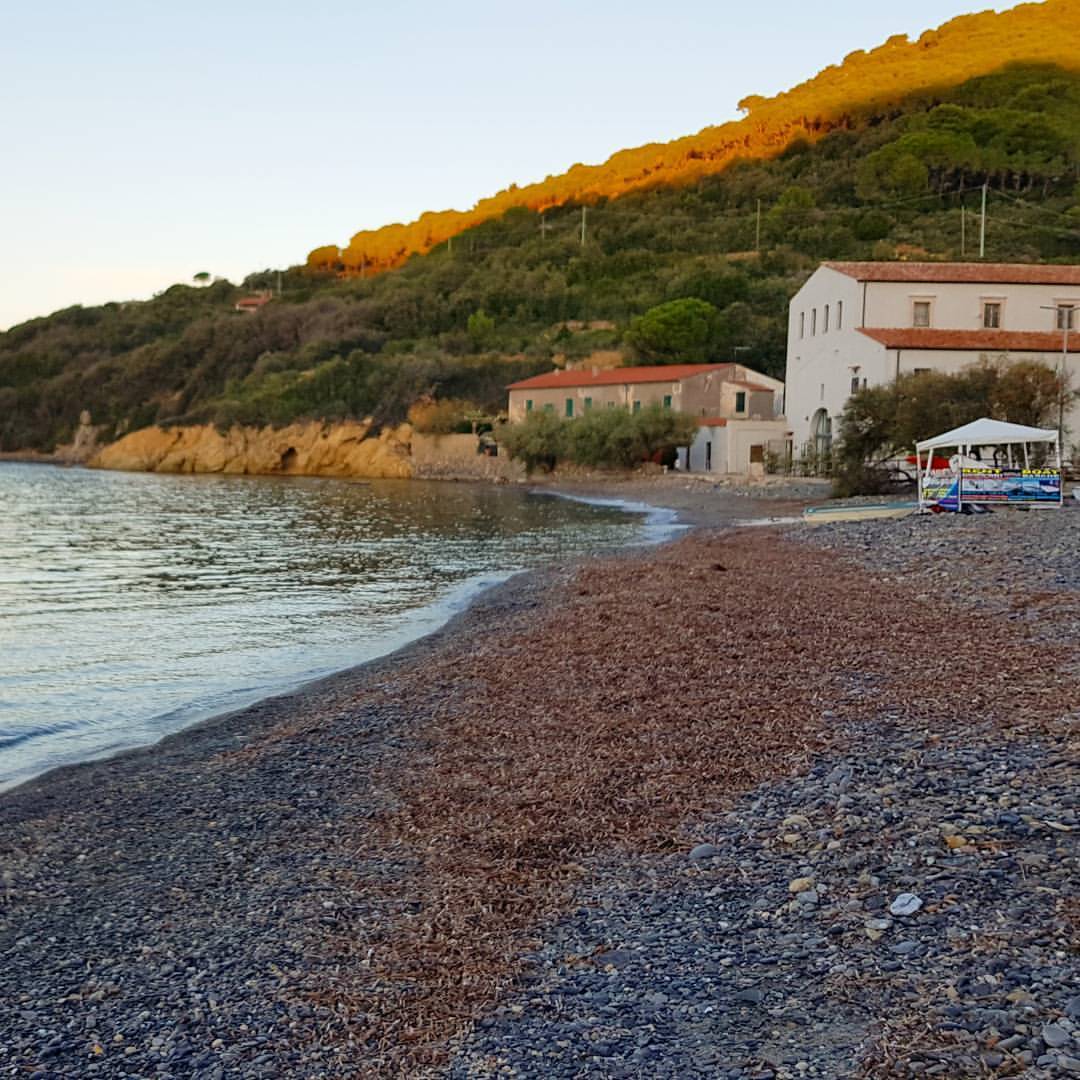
(132, 605)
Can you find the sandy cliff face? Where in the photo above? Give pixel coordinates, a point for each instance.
(309, 449)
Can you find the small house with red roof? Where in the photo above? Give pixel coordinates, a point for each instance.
(252, 304)
(729, 390)
(859, 324)
(739, 410)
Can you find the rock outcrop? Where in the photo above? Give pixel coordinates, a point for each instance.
(306, 449)
(84, 445)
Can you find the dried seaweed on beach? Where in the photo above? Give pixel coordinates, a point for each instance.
(652, 692)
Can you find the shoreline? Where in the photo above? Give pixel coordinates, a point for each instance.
(454, 605)
(222, 731)
(377, 874)
(660, 524)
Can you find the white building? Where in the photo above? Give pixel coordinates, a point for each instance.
(726, 445)
(864, 323)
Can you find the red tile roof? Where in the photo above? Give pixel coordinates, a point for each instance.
(712, 421)
(971, 273)
(757, 388)
(253, 301)
(1047, 341)
(555, 380)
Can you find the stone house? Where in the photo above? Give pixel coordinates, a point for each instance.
(739, 410)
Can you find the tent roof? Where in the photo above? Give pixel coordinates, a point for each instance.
(987, 432)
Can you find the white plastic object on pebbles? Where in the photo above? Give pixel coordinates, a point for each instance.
(905, 904)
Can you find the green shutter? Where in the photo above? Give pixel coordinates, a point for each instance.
(528, 405)
(740, 401)
(637, 406)
(588, 404)
(569, 407)
(667, 401)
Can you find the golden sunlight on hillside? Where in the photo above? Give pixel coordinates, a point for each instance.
(864, 83)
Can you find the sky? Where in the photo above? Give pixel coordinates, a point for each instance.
(142, 143)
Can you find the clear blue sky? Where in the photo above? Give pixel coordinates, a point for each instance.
(144, 142)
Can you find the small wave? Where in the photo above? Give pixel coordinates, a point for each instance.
(661, 522)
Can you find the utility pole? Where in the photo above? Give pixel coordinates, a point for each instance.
(1064, 313)
(982, 223)
(757, 230)
(963, 228)
(584, 212)
(279, 283)
(1066, 324)
(543, 227)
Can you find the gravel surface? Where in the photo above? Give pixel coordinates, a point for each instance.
(899, 911)
(161, 912)
(909, 909)
(721, 808)
(1022, 565)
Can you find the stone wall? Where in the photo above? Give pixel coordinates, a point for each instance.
(456, 457)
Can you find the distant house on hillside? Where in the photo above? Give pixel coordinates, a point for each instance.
(251, 304)
(864, 324)
(739, 410)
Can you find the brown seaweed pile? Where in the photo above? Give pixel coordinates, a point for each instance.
(652, 691)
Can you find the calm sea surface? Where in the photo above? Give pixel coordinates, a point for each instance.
(132, 605)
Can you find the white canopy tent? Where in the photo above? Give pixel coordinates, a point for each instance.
(985, 432)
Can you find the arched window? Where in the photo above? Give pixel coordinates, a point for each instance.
(821, 432)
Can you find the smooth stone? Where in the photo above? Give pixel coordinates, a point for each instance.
(704, 851)
(1054, 1035)
(905, 904)
(904, 948)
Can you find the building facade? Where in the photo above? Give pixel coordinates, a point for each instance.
(729, 390)
(739, 410)
(736, 446)
(863, 324)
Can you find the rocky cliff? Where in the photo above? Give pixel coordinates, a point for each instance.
(84, 444)
(305, 449)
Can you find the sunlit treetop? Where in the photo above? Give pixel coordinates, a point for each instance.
(843, 94)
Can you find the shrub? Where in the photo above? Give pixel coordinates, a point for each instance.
(604, 438)
(881, 422)
(601, 438)
(537, 441)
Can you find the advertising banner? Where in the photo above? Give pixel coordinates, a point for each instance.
(1010, 487)
(940, 487)
(1013, 486)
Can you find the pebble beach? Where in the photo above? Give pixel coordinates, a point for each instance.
(756, 804)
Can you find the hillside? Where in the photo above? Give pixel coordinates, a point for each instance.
(863, 86)
(511, 297)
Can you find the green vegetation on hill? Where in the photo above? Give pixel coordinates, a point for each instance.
(864, 86)
(509, 296)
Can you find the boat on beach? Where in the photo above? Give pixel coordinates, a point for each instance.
(826, 515)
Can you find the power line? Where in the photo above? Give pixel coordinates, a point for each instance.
(1027, 226)
(1033, 206)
